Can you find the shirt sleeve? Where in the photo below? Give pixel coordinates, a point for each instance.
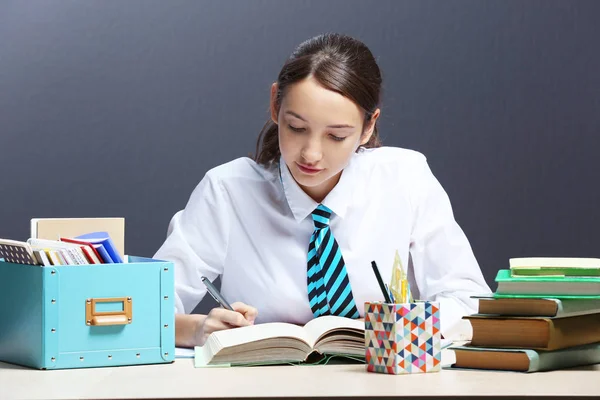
(444, 266)
(196, 243)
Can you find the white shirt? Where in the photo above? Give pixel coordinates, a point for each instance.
(251, 225)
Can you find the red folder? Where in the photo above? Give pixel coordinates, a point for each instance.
(86, 248)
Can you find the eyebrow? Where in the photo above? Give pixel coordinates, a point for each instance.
(329, 126)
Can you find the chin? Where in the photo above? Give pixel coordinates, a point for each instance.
(308, 181)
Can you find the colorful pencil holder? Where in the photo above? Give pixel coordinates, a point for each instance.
(403, 338)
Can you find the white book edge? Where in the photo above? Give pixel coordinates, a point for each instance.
(554, 262)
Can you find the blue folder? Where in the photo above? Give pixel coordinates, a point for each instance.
(104, 239)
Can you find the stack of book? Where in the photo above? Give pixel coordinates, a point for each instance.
(544, 315)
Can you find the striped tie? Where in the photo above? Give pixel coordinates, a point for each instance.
(329, 290)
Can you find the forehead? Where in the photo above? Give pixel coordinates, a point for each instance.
(319, 105)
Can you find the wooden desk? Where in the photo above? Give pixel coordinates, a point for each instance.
(182, 380)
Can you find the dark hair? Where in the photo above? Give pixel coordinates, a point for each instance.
(339, 63)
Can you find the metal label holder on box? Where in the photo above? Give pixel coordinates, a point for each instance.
(77, 316)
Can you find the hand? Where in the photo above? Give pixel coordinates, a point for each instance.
(220, 318)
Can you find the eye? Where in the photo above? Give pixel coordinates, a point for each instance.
(296, 129)
(337, 138)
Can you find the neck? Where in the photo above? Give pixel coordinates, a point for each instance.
(318, 193)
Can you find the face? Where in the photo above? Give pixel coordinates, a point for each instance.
(319, 130)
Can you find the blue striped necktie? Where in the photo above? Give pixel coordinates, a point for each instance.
(329, 290)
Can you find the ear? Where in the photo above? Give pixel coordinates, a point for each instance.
(370, 128)
(273, 103)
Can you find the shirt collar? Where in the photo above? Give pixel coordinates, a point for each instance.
(302, 205)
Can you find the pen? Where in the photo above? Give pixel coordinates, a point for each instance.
(386, 296)
(390, 293)
(212, 290)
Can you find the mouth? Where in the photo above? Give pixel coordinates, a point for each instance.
(308, 170)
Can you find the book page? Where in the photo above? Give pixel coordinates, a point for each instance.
(554, 262)
(320, 326)
(253, 333)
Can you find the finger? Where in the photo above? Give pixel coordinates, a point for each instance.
(214, 324)
(209, 326)
(232, 318)
(249, 312)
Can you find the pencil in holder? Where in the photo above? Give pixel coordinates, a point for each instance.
(403, 338)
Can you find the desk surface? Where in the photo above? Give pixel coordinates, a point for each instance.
(181, 380)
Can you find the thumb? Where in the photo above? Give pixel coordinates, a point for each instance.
(247, 311)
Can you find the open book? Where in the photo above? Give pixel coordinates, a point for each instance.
(277, 342)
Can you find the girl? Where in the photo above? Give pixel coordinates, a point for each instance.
(293, 232)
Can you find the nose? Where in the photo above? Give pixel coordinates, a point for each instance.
(311, 151)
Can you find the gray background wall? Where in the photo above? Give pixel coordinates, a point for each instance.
(118, 108)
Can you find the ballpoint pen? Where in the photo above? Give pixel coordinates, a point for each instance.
(390, 293)
(212, 290)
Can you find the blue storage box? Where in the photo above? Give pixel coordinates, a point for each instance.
(77, 316)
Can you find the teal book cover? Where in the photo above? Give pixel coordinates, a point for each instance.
(538, 286)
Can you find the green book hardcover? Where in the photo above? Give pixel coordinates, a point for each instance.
(525, 360)
(555, 271)
(546, 286)
(554, 266)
